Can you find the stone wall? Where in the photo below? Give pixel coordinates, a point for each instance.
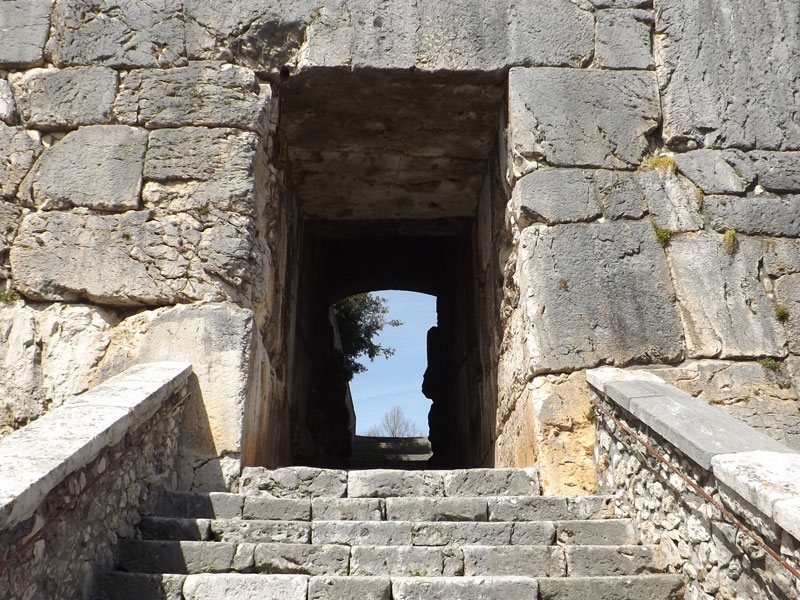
(655, 219)
(75, 480)
(157, 196)
(752, 478)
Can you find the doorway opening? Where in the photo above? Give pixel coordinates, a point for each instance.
(390, 181)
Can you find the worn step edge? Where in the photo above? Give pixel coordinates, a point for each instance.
(636, 587)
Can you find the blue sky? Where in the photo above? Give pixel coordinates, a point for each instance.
(398, 379)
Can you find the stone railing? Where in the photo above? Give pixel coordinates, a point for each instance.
(75, 479)
(720, 499)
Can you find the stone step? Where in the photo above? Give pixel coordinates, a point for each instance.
(188, 557)
(139, 586)
(485, 508)
(310, 482)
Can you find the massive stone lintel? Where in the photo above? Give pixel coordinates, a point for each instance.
(580, 118)
(728, 74)
(596, 293)
(469, 35)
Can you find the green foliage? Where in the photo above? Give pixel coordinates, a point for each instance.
(562, 284)
(729, 241)
(770, 363)
(781, 313)
(660, 162)
(360, 318)
(203, 211)
(663, 236)
(9, 296)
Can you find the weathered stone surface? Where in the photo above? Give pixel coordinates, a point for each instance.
(268, 36)
(362, 533)
(213, 505)
(671, 199)
(444, 533)
(48, 355)
(436, 509)
(619, 194)
(574, 118)
(133, 586)
(25, 25)
(99, 167)
(473, 588)
(8, 108)
(195, 168)
(754, 215)
(383, 483)
(596, 532)
(642, 587)
(10, 219)
(219, 341)
(267, 508)
(621, 3)
(245, 587)
(294, 482)
(491, 482)
(404, 561)
(787, 291)
(761, 478)
(724, 307)
(334, 588)
(623, 39)
(18, 149)
(587, 561)
(347, 509)
(256, 531)
(86, 32)
(302, 559)
(691, 36)
(781, 256)
(206, 93)
(65, 98)
(765, 400)
(717, 172)
(532, 561)
(555, 196)
(595, 293)
(133, 259)
(777, 172)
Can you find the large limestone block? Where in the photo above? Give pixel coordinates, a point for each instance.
(8, 107)
(706, 49)
(778, 172)
(24, 25)
(671, 199)
(132, 259)
(121, 33)
(99, 167)
(10, 219)
(787, 291)
(781, 256)
(556, 196)
(207, 93)
(18, 150)
(269, 35)
(65, 98)
(47, 355)
(717, 171)
(619, 194)
(574, 118)
(623, 39)
(593, 294)
(220, 341)
(755, 215)
(724, 307)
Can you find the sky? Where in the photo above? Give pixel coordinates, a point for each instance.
(398, 379)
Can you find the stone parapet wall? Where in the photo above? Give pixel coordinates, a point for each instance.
(78, 478)
(751, 477)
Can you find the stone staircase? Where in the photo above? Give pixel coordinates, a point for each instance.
(302, 533)
(408, 453)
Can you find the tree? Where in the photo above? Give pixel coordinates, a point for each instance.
(359, 319)
(394, 424)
